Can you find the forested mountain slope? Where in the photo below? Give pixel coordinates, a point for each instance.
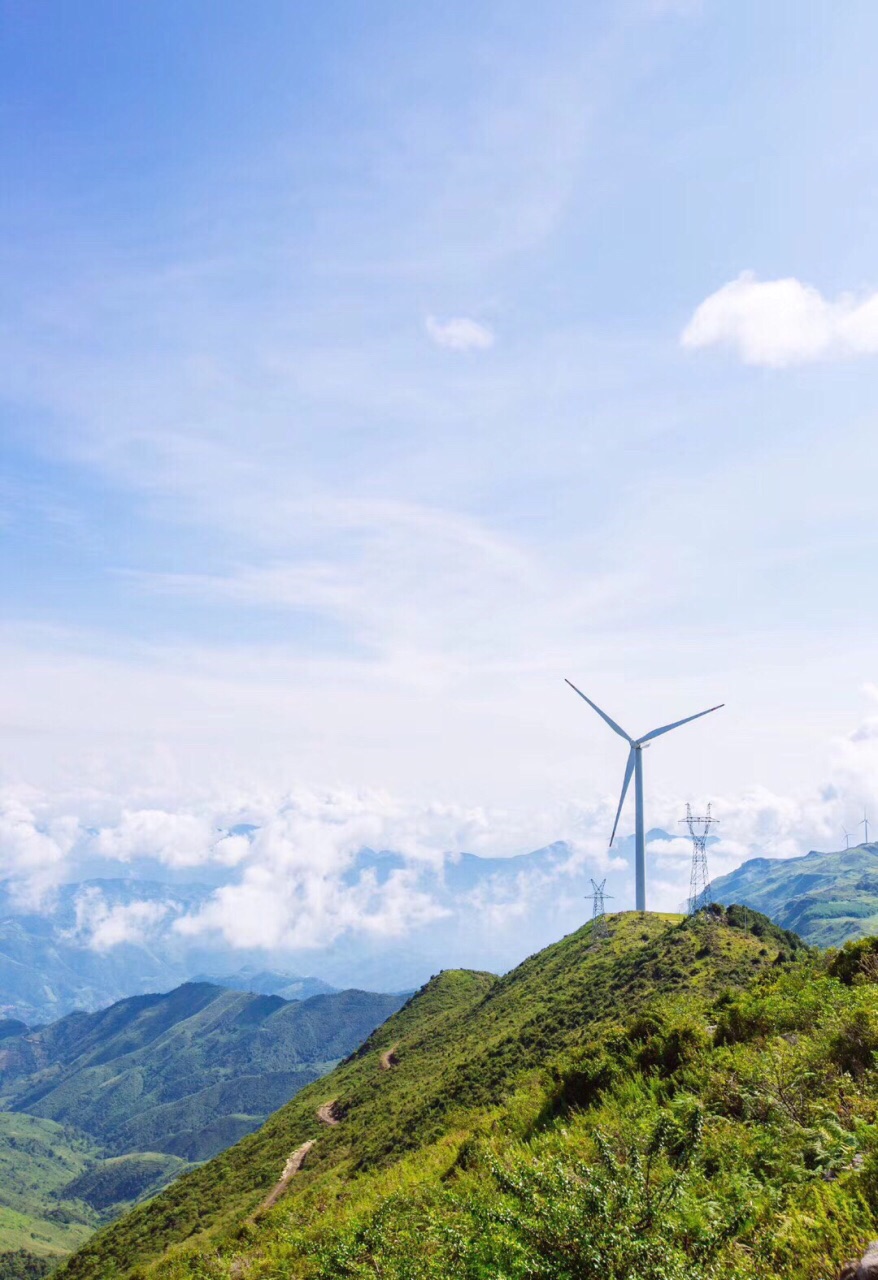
(186, 1072)
(100, 1110)
(688, 1098)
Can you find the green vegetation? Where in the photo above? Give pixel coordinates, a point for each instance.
(19, 1264)
(55, 1189)
(689, 1099)
(37, 1159)
(184, 1073)
(111, 1185)
(104, 1109)
(827, 898)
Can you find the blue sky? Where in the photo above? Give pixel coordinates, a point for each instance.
(346, 406)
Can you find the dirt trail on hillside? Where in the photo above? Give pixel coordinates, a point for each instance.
(291, 1168)
(328, 1113)
(388, 1057)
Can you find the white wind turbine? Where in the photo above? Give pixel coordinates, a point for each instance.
(635, 766)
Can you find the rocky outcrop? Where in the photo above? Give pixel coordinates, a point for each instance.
(865, 1269)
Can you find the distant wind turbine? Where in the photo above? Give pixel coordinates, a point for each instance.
(847, 838)
(865, 823)
(635, 766)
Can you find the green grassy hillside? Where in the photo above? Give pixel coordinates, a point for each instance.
(37, 1159)
(687, 1099)
(827, 898)
(183, 1073)
(55, 1188)
(104, 1109)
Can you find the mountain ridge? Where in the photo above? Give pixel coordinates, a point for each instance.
(828, 898)
(92, 945)
(428, 1081)
(159, 1072)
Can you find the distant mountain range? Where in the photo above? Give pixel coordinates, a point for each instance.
(489, 913)
(826, 898)
(50, 965)
(98, 1110)
(268, 982)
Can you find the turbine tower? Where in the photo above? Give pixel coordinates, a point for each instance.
(865, 823)
(635, 766)
(847, 838)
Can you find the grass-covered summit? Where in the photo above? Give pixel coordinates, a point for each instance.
(688, 1098)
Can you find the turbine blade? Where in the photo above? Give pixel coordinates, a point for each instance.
(666, 728)
(603, 715)
(629, 769)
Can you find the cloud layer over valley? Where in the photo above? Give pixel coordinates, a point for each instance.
(312, 871)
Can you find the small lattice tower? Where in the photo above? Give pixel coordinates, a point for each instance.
(699, 881)
(599, 920)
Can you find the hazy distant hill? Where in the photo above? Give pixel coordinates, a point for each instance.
(47, 968)
(49, 964)
(269, 982)
(491, 913)
(826, 898)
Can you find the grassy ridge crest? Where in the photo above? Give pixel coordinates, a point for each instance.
(475, 1059)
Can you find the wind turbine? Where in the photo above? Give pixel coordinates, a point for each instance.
(847, 838)
(865, 823)
(635, 766)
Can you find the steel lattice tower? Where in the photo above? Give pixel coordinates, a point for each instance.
(599, 921)
(699, 881)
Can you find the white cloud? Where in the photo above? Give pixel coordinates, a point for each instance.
(176, 839)
(295, 882)
(35, 843)
(783, 322)
(103, 927)
(460, 333)
(279, 907)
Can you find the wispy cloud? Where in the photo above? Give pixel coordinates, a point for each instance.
(783, 322)
(422, 586)
(460, 333)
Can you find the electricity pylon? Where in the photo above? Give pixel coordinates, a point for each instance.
(699, 880)
(599, 920)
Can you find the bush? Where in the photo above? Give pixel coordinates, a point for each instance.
(18, 1264)
(853, 1047)
(856, 960)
